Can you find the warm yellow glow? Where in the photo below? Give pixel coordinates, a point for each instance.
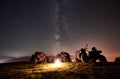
(57, 63)
(45, 67)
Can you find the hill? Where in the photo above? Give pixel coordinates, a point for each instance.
(20, 59)
(6, 59)
(25, 70)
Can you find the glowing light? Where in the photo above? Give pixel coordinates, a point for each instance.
(57, 63)
(51, 66)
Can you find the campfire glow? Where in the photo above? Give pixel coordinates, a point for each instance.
(57, 63)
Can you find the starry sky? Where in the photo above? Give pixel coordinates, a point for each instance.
(52, 26)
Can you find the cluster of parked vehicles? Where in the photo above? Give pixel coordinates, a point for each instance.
(82, 55)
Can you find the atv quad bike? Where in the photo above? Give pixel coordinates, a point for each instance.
(38, 57)
(64, 57)
(89, 56)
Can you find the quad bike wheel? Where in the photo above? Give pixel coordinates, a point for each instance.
(84, 58)
(102, 58)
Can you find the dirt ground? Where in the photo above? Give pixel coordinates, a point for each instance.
(25, 70)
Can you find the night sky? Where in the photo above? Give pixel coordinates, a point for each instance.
(52, 26)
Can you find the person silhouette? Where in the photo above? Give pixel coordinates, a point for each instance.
(94, 49)
(86, 47)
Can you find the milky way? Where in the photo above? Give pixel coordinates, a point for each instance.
(61, 27)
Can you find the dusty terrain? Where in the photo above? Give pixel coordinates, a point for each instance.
(25, 70)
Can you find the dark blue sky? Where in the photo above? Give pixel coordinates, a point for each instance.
(31, 25)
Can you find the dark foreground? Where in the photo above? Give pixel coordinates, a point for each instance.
(24, 70)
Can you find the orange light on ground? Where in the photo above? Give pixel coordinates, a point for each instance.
(45, 67)
(57, 63)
